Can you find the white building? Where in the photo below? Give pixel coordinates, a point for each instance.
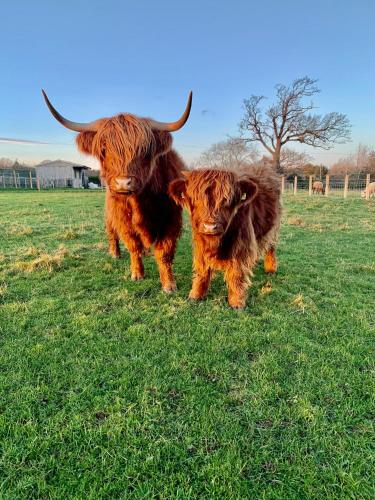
(61, 173)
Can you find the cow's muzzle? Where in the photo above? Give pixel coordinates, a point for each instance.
(125, 185)
(211, 228)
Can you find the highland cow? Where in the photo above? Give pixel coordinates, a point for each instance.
(318, 187)
(235, 221)
(137, 163)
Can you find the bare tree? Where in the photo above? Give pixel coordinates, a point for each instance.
(361, 157)
(233, 153)
(6, 162)
(289, 119)
(343, 166)
(370, 167)
(293, 162)
(359, 163)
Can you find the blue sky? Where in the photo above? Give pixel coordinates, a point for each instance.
(98, 58)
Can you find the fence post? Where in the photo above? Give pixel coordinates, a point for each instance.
(38, 183)
(295, 185)
(327, 185)
(310, 185)
(15, 178)
(367, 186)
(346, 184)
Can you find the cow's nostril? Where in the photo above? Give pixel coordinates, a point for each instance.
(124, 182)
(210, 227)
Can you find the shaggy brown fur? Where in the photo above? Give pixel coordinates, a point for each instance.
(140, 213)
(235, 220)
(317, 187)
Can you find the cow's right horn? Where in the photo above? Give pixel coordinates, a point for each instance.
(173, 126)
(77, 127)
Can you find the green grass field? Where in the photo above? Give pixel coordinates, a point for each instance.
(112, 389)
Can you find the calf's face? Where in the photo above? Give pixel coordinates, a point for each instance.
(213, 198)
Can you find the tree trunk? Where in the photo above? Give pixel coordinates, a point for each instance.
(276, 161)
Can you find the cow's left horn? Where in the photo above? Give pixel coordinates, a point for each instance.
(173, 126)
(77, 127)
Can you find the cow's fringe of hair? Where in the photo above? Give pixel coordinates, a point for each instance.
(125, 136)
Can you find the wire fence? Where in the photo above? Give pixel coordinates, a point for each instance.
(345, 186)
(327, 186)
(17, 181)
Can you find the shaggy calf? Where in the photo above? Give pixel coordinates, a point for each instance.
(317, 187)
(371, 190)
(137, 163)
(235, 220)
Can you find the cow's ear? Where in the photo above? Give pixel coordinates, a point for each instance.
(248, 191)
(177, 191)
(84, 141)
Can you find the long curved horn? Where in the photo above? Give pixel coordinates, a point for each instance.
(173, 126)
(77, 127)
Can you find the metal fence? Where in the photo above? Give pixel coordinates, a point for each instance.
(345, 186)
(30, 182)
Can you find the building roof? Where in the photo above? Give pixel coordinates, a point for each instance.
(60, 164)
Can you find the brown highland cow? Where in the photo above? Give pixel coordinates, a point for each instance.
(137, 163)
(235, 220)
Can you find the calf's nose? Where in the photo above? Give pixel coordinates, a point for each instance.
(124, 182)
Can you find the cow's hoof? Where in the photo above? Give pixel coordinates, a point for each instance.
(237, 307)
(194, 298)
(169, 288)
(137, 277)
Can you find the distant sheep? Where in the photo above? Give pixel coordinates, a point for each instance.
(317, 187)
(371, 190)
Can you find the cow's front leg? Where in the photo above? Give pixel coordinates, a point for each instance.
(113, 241)
(135, 247)
(238, 284)
(164, 254)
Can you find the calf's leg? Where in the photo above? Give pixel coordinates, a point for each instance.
(201, 282)
(237, 287)
(270, 260)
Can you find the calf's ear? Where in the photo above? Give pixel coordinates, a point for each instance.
(177, 191)
(248, 190)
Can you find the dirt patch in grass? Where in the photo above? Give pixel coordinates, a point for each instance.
(44, 262)
(19, 230)
(3, 289)
(302, 303)
(295, 221)
(69, 234)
